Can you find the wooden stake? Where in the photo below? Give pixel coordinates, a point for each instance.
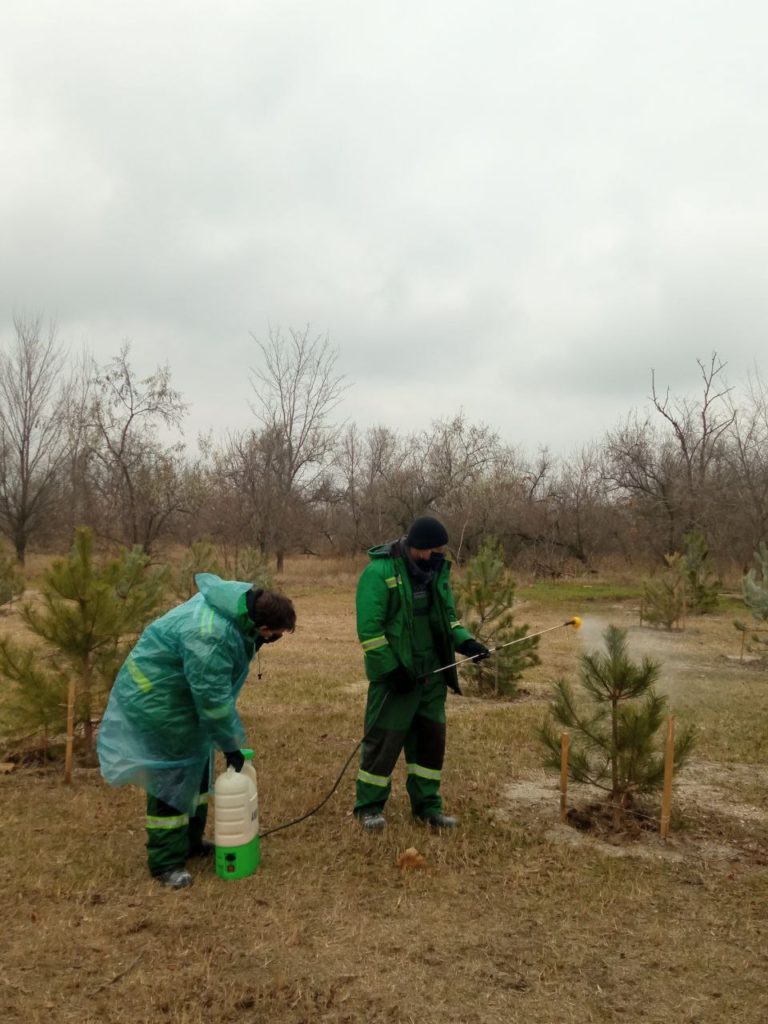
(666, 797)
(563, 776)
(70, 731)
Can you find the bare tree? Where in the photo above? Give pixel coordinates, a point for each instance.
(242, 495)
(670, 474)
(136, 473)
(583, 509)
(433, 470)
(698, 427)
(351, 467)
(32, 442)
(296, 388)
(642, 472)
(368, 472)
(76, 498)
(748, 481)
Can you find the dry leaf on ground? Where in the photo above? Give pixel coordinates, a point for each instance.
(411, 859)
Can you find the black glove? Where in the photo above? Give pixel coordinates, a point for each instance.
(234, 759)
(473, 649)
(399, 680)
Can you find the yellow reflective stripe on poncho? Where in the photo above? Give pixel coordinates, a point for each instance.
(206, 623)
(138, 676)
(374, 643)
(392, 581)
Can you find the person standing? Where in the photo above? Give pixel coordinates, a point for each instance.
(408, 628)
(173, 704)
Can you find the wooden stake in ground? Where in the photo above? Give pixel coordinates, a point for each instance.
(563, 776)
(70, 730)
(666, 796)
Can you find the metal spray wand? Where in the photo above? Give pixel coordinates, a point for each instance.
(575, 622)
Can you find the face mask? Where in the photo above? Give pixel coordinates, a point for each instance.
(431, 564)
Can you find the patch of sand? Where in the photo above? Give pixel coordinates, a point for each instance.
(705, 786)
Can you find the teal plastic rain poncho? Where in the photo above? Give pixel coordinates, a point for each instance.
(174, 697)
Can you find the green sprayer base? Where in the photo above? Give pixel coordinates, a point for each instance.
(238, 861)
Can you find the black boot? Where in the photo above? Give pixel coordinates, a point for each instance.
(175, 878)
(372, 822)
(205, 848)
(439, 820)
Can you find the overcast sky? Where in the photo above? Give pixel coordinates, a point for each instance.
(514, 208)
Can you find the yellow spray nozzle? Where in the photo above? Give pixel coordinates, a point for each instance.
(575, 622)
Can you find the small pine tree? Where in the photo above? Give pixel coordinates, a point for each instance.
(614, 742)
(35, 704)
(702, 587)
(252, 567)
(87, 615)
(200, 556)
(486, 597)
(664, 599)
(687, 585)
(755, 589)
(11, 581)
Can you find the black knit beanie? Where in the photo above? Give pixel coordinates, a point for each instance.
(426, 532)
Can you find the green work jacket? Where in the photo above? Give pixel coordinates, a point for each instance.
(385, 615)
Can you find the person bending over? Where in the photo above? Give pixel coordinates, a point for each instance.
(173, 704)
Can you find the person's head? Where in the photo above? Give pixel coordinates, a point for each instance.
(426, 540)
(271, 613)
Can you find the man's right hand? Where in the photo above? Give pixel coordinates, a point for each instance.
(399, 680)
(234, 759)
(474, 649)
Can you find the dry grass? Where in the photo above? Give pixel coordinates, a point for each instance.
(506, 923)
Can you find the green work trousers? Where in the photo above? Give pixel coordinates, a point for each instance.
(414, 722)
(172, 836)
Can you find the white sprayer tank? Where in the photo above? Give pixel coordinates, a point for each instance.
(236, 821)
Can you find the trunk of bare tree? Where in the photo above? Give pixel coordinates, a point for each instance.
(20, 546)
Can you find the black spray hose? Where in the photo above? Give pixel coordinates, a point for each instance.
(575, 622)
(329, 794)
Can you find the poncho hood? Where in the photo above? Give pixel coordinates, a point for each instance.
(226, 596)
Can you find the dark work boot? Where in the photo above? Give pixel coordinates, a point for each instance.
(438, 821)
(175, 878)
(205, 848)
(372, 822)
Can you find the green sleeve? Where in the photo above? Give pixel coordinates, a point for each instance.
(372, 608)
(459, 633)
(209, 664)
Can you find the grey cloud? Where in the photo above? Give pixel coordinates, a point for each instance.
(515, 208)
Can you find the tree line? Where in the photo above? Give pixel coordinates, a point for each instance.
(83, 443)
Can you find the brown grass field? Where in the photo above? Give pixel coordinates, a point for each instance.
(515, 918)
